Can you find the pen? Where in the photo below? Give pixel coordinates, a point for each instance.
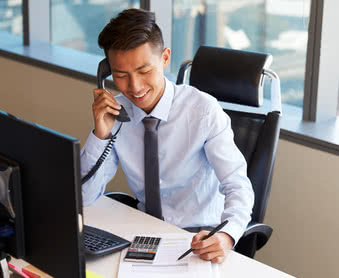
(211, 233)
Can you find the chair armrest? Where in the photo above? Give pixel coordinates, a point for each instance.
(182, 71)
(262, 231)
(123, 198)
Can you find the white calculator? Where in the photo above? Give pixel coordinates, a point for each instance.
(143, 249)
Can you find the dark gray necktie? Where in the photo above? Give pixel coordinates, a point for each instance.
(152, 187)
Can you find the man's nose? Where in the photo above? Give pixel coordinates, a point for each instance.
(135, 84)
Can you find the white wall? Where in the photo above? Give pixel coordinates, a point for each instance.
(304, 212)
(303, 208)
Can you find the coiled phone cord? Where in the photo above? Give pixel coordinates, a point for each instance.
(102, 158)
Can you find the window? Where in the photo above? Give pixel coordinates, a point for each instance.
(11, 16)
(77, 23)
(278, 27)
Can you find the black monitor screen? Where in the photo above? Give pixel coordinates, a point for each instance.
(49, 165)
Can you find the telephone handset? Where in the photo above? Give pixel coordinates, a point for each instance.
(104, 71)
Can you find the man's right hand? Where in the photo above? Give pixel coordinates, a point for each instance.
(104, 107)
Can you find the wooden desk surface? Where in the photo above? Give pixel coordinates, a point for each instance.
(121, 220)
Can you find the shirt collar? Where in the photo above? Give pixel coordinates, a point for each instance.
(161, 110)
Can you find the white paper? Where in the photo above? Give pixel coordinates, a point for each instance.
(165, 263)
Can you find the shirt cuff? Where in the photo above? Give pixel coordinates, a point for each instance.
(233, 230)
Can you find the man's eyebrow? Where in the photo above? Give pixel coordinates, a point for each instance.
(143, 66)
(138, 68)
(119, 71)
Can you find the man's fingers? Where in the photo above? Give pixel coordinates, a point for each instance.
(199, 236)
(211, 248)
(198, 240)
(213, 256)
(111, 111)
(99, 112)
(103, 102)
(102, 93)
(103, 107)
(214, 249)
(97, 93)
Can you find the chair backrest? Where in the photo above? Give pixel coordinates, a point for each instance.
(230, 75)
(237, 77)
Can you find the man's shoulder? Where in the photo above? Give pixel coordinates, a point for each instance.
(194, 97)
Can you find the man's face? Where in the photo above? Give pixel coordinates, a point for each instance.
(139, 74)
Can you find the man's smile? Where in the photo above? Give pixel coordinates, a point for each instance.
(140, 96)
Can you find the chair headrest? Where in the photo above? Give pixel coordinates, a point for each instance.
(230, 75)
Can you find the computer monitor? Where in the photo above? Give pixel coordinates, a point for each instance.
(49, 165)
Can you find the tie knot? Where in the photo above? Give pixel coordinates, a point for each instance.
(151, 123)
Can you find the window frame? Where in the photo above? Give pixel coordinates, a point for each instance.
(312, 61)
(320, 94)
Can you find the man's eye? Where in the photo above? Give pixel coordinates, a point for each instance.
(145, 71)
(120, 76)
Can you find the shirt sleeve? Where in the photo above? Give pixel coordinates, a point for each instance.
(231, 169)
(89, 155)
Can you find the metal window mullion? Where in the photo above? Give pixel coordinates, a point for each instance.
(321, 79)
(145, 5)
(36, 20)
(313, 61)
(25, 22)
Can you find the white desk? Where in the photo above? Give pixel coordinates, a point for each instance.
(122, 220)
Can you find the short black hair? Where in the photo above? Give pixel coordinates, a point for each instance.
(130, 29)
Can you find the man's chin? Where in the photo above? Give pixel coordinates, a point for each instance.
(139, 105)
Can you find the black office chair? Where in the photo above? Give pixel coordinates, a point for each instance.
(123, 197)
(235, 76)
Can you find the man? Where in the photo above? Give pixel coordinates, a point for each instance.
(203, 178)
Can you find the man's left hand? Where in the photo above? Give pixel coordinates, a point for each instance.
(214, 249)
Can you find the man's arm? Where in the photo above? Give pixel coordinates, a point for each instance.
(231, 169)
(90, 153)
(104, 108)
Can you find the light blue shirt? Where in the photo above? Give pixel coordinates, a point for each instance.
(203, 178)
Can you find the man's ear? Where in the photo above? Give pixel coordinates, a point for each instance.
(166, 57)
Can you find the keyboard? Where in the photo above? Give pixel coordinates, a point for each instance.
(99, 242)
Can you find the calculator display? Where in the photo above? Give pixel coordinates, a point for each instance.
(139, 255)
